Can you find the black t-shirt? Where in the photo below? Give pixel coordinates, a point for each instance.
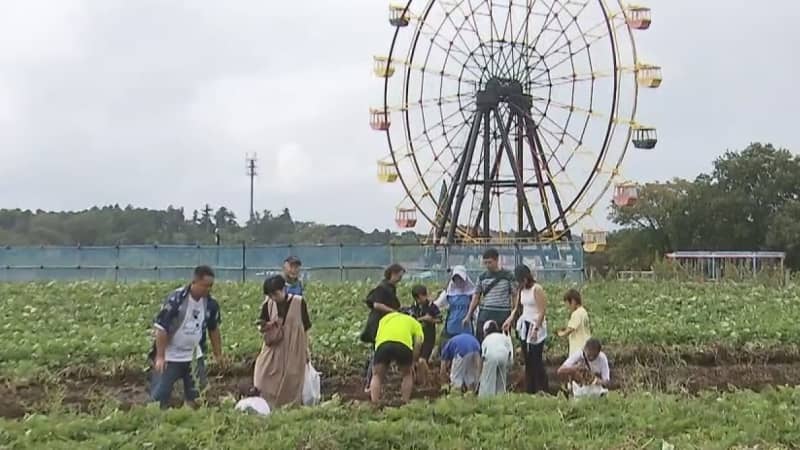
(283, 309)
(419, 311)
(386, 293)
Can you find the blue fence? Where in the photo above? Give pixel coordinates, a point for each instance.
(552, 261)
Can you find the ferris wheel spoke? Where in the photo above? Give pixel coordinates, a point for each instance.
(450, 55)
(473, 23)
(551, 18)
(434, 33)
(429, 129)
(570, 79)
(423, 68)
(422, 103)
(458, 29)
(582, 32)
(561, 129)
(593, 40)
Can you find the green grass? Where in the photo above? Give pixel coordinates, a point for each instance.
(51, 327)
(638, 421)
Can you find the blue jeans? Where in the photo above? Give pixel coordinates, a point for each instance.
(161, 384)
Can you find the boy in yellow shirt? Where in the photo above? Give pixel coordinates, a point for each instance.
(399, 340)
(578, 326)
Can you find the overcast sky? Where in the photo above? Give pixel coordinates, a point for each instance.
(153, 103)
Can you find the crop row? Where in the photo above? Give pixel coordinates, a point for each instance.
(710, 421)
(56, 326)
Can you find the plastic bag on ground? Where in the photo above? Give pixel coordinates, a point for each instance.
(589, 391)
(312, 392)
(256, 405)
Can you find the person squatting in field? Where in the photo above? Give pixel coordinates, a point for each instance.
(462, 357)
(381, 300)
(427, 314)
(530, 313)
(250, 401)
(280, 368)
(399, 340)
(456, 299)
(494, 295)
(497, 352)
(180, 338)
(588, 367)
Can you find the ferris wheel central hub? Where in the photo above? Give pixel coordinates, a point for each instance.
(500, 90)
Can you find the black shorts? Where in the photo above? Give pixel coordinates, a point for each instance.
(390, 352)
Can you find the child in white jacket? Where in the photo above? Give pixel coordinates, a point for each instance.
(497, 351)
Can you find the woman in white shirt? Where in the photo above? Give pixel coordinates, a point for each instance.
(531, 306)
(497, 352)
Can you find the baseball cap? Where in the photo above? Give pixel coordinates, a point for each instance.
(293, 260)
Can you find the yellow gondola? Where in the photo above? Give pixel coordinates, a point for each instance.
(387, 172)
(594, 241)
(648, 75)
(382, 67)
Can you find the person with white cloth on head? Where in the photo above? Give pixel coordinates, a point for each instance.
(456, 299)
(497, 352)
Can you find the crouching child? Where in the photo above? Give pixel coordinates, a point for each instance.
(461, 356)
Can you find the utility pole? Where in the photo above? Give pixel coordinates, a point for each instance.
(251, 172)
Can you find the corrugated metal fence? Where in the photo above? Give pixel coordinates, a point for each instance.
(552, 261)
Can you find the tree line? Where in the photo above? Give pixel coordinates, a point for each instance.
(750, 200)
(114, 225)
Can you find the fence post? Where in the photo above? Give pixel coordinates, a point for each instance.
(341, 263)
(244, 262)
(391, 253)
(116, 265)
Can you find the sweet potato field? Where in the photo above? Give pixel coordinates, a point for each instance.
(694, 365)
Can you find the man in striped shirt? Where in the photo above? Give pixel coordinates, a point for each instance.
(495, 293)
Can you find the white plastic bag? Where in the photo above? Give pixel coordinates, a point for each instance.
(256, 405)
(589, 391)
(312, 393)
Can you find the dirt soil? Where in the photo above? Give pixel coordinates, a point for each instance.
(92, 393)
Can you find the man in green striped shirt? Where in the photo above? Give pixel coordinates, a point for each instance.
(494, 294)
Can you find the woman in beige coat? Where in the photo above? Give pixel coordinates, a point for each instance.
(280, 367)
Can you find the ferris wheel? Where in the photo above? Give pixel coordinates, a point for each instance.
(510, 119)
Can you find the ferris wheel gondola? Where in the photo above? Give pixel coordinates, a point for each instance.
(509, 118)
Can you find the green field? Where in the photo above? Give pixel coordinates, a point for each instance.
(59, 337)
(85, 326)
(639, 421)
